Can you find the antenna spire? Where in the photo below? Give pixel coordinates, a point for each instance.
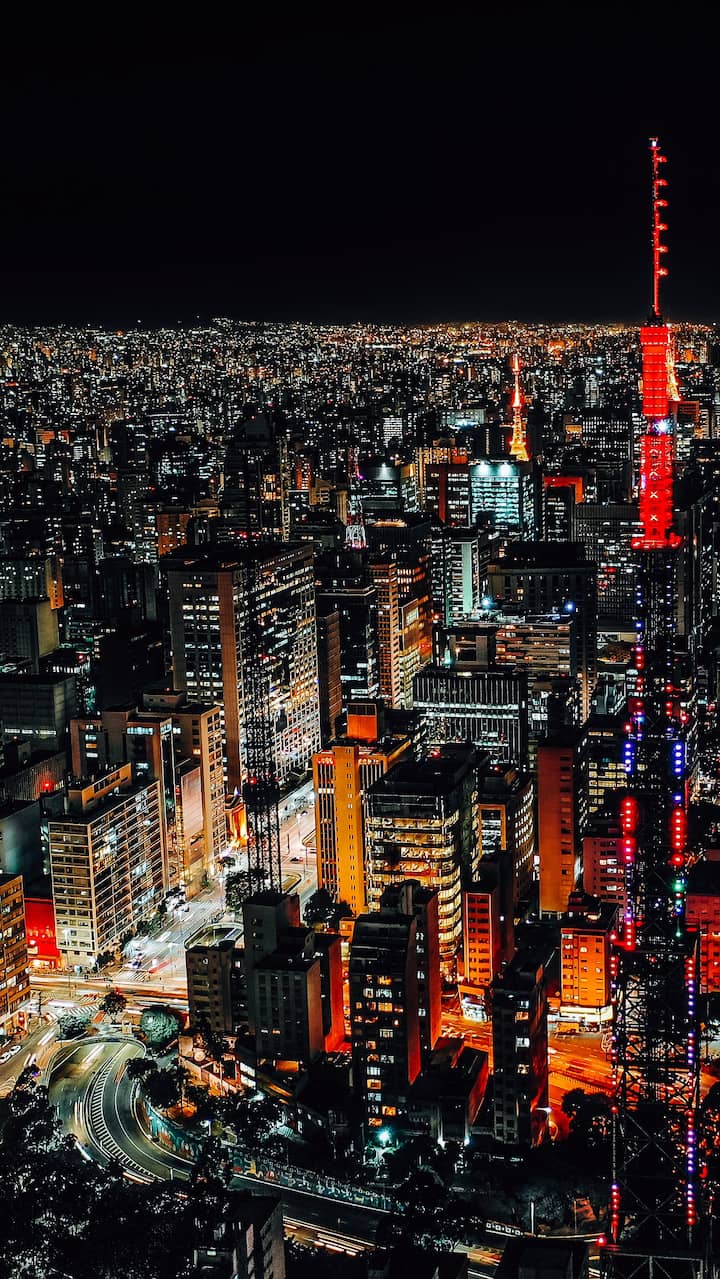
(658, 226)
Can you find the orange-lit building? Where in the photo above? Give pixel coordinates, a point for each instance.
(482, 941)
(562, 812)
(341, 776)
(703, 913)
(586, 934)
(602, 860)
(14, 980)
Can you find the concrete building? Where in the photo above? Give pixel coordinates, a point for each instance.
(214, 966)
(106, 862)
(603, 867)
(422, 825)
(486, 707)
(28, 631)
(14, 980)
(341, 777)
(21, 839)
(410, 898)
(227, 609)
(38, 708)
(587, 932)
(520, 1057)
(344, 585)
(384, 1019)
(249, 1246)
(562, 815)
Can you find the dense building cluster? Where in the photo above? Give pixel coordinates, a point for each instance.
(405, 563)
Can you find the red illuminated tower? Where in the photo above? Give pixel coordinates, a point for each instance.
(518, 443)
(654, 1212)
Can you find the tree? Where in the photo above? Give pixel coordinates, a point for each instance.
(74, 1022)
(113, 1004)
(237, 890)
(159, 1025)
(319, 908)
(139, 1067)
(165, 1088)
(103, 959)
(213, 1045)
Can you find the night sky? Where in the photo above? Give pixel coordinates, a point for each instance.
(470, 166)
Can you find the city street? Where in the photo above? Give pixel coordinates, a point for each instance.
(154, 967)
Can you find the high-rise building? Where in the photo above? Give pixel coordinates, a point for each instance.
(422, 824)
(703, 913)
(520, 1056)
(562, 815)
(329, 682)
(341, 777)
(603, 864)
(606, 530)
(14, 980)
(459, 559)
(31, 577)
(385, 579)
(249, 1245)
(587, 933)
(198, 736)
(506, 827)
(507, 491)
(254, 500)
(38, 708)
(344, 585)
(545, 577)
(487, 707)
(213, 962)
(267, 915)
(106, 862)
(482, 928)
(28, 631)
(410, 898)
(384, 1019)
(218, 600)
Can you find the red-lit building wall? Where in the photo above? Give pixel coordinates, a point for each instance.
(40, 928)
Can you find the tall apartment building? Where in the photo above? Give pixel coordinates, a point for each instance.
(603, 864)
(14, 979)
(215, 973)
(520, 1056)
(329, 682)
(342, 775)
(254, 499)
(106, 862)
(586, 937)
(410, 898)
(294, 981)
(459, 559)
(344, 585)
(422, 824)
(506, 826)
(483, 934)
(384, 1020)
(562, 815)
(229, 609)
(197, 729)
(385, 580)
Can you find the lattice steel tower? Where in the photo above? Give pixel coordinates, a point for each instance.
(655, 1224)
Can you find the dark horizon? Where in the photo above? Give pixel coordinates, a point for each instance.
(390, 173)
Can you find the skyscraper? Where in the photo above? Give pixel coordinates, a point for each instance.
(519, 1026)
(214, 596)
